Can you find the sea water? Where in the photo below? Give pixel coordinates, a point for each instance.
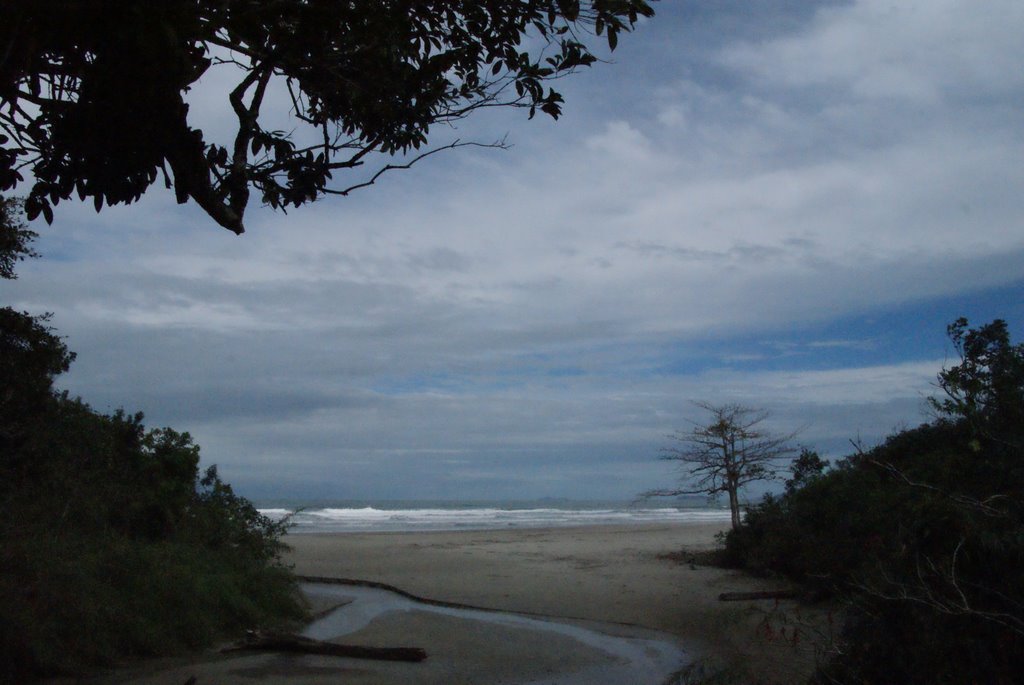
(359, 516)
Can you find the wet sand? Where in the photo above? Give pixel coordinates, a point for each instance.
(615, 575)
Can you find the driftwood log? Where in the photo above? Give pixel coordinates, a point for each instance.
(289, 642)
(768, 594)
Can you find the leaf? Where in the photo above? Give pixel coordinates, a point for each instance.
(32, 207)
(570, 9)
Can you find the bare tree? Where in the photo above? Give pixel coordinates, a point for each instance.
(725, 454)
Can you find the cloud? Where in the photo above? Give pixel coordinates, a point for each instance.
(532, 321)
(621, 143)
(877, 49)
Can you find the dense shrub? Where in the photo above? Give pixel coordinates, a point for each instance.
(922, 535)
(114, 545)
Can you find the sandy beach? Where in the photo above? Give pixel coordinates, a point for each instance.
(615, 574)
(614, 579)
(606, 573)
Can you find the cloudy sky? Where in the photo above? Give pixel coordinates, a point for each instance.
(775, 203)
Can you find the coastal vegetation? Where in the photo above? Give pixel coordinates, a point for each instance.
(112, 542)
(920, 537)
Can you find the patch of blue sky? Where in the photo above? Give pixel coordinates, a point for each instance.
(913, 331)
(908, 332)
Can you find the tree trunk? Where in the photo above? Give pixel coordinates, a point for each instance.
(288, 642)
(734, 507)
(765, 594)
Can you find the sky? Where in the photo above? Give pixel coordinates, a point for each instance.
(779, 204)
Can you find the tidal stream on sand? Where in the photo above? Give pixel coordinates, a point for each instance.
(636, 655)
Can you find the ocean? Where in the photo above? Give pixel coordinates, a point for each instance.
(423, 515)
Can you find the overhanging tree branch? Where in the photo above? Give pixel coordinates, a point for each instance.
(501, 144)
(105, 84)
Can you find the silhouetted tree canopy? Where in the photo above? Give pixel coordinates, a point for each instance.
(93, 93)
(987, 387)
(15, 238)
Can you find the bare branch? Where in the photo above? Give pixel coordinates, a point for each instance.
(938, 589)
(728, 452)
(394, 167)
(982, 506)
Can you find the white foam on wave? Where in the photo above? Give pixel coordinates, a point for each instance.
(372, 518)
(276, 514)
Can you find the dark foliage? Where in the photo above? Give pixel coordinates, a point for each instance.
(15, 238)
(806, 468)
(30, 357)
(92, 93)
(111, 542)
(114, 545)
(923, 535)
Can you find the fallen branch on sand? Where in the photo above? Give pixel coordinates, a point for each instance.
(767, 594)
(288, 642)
